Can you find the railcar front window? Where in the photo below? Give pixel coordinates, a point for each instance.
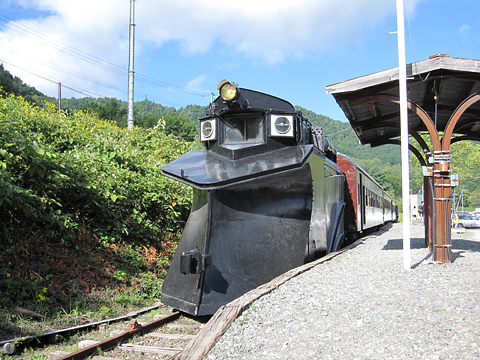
(241, 129)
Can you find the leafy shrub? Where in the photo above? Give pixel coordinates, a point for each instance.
(67, 175)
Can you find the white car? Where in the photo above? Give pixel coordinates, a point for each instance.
(465, 220)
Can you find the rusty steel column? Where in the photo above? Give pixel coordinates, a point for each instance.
(438, 221)
(441, 185)
(428, 212)
(443, 246)
(427, 191)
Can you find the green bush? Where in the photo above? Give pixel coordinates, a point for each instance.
(67, 178)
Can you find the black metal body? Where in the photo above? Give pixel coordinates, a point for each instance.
(266, 199)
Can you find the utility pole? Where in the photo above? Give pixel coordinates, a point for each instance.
(402, 78)
(59, 97)
(130, 65)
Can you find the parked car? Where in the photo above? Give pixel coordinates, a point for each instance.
(466, 220)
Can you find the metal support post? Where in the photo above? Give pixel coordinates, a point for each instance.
(441, 182)
(130, 65)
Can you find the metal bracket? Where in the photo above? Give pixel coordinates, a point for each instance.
(454, 180)
(194, 262)
(427, 171)
(317, 134)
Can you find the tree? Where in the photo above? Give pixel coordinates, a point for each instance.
(466, 160)
(147, 121)
(379, 175)
(112, 110)
(180, 126)
(15, 86)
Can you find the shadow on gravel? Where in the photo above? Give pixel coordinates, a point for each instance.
(469, 245)
(459, 246)
(383, 229)
(456, 255)
(397, 244)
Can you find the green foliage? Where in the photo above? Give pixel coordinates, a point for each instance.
(112, 110)
(383, 162)
(14, 85)
(180, 126)
(147, 121)
(346, 141)
(193, 112)
(146, 112)
(145, 107)
(78, 170)
(466, 163)
(466, 160)
(67, 175)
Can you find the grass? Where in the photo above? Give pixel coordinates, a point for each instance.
(56, 288)
(96, 306)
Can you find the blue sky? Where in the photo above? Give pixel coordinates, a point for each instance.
(183, 48)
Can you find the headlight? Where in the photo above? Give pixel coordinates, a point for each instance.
(281, 125)
(228, 90)
(208, 130)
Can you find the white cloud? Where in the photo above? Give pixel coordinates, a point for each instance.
(196, 84)
(264, 31)
(270, 30)
(464, 29)
(42, 43)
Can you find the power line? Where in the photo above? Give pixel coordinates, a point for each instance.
(59, 68)
(338, 132)
(86, 92)
(37, 36)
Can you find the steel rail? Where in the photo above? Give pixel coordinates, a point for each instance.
(51, 336)
(135, 329)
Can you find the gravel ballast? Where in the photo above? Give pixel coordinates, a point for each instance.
(362, 304)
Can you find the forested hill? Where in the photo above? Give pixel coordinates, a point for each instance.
(339, 133)
(14, 85)
(346, 141)
(183, 122)
(383, 163)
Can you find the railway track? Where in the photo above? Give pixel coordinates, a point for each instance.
(167, 333)
(157, 332)
(162, 338)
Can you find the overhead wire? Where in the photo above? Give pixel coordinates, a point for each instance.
(59, 68)
(84, 92)
(79, 54)
(411, 44)
(43, 39)
(339, 132)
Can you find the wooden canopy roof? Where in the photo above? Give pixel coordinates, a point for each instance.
(437, 85)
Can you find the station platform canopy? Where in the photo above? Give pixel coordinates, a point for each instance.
(443, 98)
(437, 85)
